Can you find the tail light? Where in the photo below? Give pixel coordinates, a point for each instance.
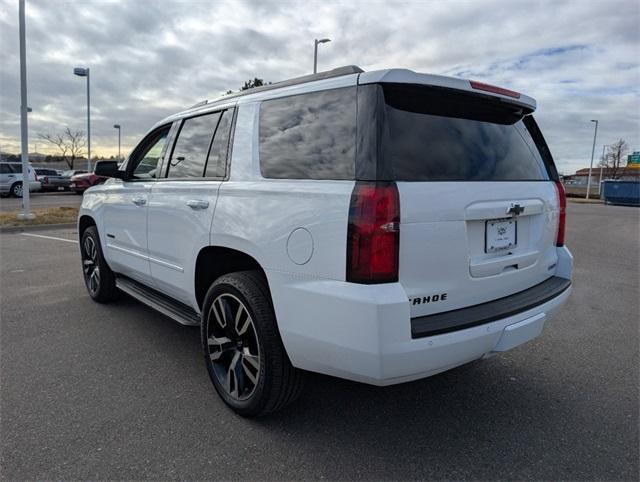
(373, 237)
(562, 219)
(493, 89)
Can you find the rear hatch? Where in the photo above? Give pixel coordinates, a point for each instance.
(478, 202)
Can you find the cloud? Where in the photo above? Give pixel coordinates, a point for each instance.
(149, 59)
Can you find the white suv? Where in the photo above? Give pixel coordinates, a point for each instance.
(376, 226)
(11, 179)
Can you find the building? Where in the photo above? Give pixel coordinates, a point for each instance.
(580, 178)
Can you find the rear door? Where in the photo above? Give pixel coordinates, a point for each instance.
(183, 201)
(479, 210)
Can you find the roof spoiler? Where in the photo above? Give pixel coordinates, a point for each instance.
(405, 76)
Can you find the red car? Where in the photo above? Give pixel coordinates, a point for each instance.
(81, 182)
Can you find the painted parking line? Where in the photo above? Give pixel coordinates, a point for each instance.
(50, 237)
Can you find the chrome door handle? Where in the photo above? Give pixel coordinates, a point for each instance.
(139, 201)
(197, 204)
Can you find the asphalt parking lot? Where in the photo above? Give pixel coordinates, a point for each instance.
(42, 200)
(118, 391)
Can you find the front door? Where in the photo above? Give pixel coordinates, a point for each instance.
(125, 209)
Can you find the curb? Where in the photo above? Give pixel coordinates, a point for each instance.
(35, 227)
(580, 200)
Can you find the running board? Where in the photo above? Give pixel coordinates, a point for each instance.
(158, 301)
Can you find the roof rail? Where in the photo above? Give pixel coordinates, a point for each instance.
(199, 104)
(329, 74)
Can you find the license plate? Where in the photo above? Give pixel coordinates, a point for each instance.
(500, 234)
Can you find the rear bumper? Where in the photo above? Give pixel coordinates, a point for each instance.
(79, 187)
(487, 312)
(54, 187)
(364, 332)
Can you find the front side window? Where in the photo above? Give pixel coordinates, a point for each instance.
(144, 163)
(309, 136)
(192, 147)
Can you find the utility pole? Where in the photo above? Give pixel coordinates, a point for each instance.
(24, 130)
(595, 133)
(601, 166)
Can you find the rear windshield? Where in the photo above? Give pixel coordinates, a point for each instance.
(430, 134)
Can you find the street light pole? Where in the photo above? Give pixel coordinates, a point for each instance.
(117, 126)
(595, 133)
(88, 122)
(24, 129)
(84, 72)
(315, 52)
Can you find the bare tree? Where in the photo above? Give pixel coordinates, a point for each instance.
(69, 143)
(614, 158)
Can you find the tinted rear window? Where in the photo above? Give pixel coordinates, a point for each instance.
(309, 136)
(433, 134)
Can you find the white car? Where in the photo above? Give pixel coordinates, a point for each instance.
(376, 226)
(11, 179)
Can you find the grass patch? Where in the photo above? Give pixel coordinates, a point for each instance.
(58, 215)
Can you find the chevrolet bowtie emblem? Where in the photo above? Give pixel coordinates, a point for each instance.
(515, 209)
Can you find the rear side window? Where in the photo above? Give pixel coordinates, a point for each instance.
(5, 169)
(217, 161)
(433, 134)
(309, 136)
(192, 147)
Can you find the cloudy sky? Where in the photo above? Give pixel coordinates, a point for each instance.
(149, 58)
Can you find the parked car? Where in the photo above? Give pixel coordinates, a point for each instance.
(79, 183)
(11, 179)
(376, 226)
(48, 178)
(63, 182)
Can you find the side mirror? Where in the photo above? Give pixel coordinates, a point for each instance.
(109, 169)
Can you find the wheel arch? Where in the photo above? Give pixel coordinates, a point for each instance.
(215, 261)
(14, 184)
(83, 223)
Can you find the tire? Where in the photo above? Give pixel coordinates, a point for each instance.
(98, 277)
(16, 189)
(247, 362)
